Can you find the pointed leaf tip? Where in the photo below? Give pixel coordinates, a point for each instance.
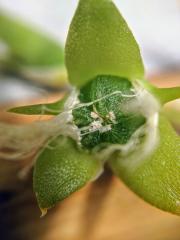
(60, 170)
(41, 109)
(43, 212)
(100, 42)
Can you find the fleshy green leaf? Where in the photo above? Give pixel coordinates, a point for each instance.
(100, 42)
(28, 46)
(60, 170)
(164, 95)
(167, 94)
(41, 109)
(30, 53)
(157, 178)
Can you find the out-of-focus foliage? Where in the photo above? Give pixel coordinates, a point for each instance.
(30, 53)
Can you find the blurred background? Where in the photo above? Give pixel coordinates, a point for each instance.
(155, 24)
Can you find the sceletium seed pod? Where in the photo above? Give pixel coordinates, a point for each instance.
(109, 112)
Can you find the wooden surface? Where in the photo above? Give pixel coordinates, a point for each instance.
(103, 210)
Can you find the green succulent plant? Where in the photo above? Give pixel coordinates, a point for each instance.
(115, 116)
(30, 53)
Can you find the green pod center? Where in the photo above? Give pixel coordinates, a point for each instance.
(108, 112)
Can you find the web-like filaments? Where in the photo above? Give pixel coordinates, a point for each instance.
(134, 151)
(19, 142)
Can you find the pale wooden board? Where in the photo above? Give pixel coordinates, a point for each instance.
(104, 210)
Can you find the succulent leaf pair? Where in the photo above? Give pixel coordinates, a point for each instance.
(102, 59)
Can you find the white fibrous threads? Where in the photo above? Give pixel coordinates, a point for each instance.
(95, 125)
(106, 128)
(72, 100)
(111, 116)
(140, 102)
(94, 115)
